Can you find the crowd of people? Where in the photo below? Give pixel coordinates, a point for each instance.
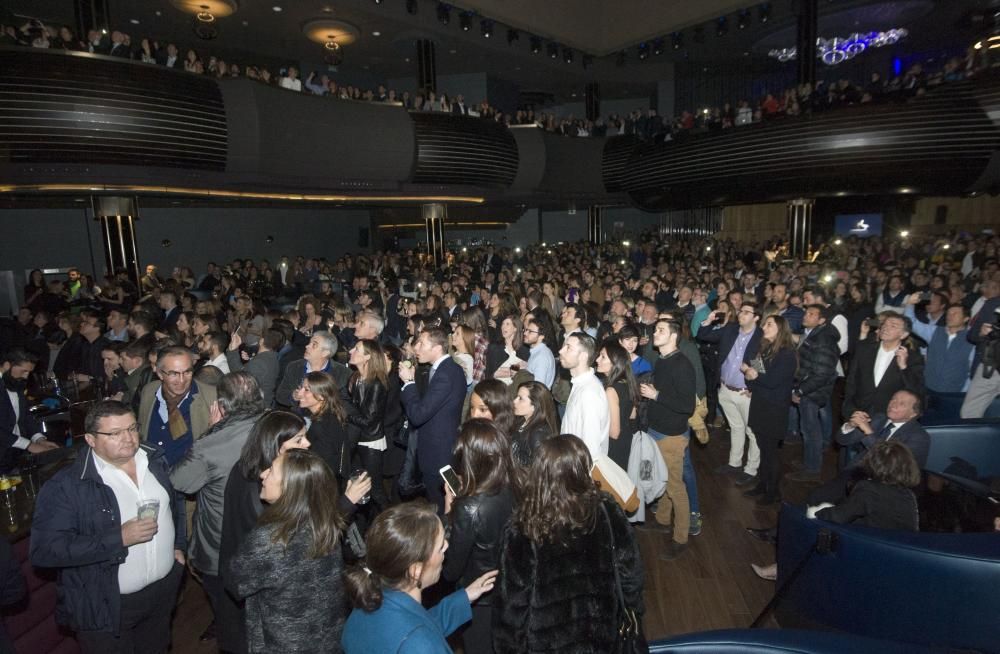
(306, 408)
(646, 124)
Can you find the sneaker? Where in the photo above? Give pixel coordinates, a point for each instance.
(695, 528)
(744, 479)
(672, 551)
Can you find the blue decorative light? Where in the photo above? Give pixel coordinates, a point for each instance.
(838, 50)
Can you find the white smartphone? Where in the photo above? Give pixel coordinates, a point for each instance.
(451, 479)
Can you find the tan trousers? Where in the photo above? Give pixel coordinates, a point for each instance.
(736, 406)
(676, 498)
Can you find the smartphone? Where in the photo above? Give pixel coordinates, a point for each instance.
(873, 323)
(451, 479)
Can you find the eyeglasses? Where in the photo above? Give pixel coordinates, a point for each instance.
(177, 374)
(746, 310)
(530, 331)
(120, 434)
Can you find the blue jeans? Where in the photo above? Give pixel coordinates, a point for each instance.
(690, 481)
(814, 423)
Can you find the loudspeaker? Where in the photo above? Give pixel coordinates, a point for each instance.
(363, 237)
(941, 214)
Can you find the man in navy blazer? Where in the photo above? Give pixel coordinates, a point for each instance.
(899, 423)
(438, 413)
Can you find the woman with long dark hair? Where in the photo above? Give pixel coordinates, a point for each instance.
(536, 420)
(623, 395)
(491, 400)
(367, 390)
(275, 433)
(859, 309)
(406, 549)
(320, 398)
(770, 378)
(475, 318)
(289, 568)
(34, 289)
(478, 512)
(566, 542)
(509, 353)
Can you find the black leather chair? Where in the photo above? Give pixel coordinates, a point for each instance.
(939, 590)
(784, 641)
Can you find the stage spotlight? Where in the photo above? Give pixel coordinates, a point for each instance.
(764, 12)
(658, 47)
(512, 35)
(553, 51)
(536, 45)
(567, 55)
(643, 51)
(465, 21)
(744, 19)
(486, 28)
(677, 40)
(444, 13)
(411, 6)
(722, 26)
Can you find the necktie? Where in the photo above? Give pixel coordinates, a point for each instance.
(886, 432)
(430, 375)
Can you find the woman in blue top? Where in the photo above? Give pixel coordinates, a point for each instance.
(628, 336)
(406, 546)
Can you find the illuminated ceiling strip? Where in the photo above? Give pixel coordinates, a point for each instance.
(249, 195)
(447, 222)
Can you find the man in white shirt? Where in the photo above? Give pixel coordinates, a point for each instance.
(19, 429)
(587, 415)
(212, 348)
(117, 326)
(119, 571)
(291, 81)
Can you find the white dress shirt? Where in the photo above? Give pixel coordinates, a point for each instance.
(21, 443)
(882, 361)
(587, 415)
(221, 363)
(149, 562)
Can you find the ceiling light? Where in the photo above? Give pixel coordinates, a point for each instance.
(276, 8)
(658, 47)
(134, 21)
(376, 33)
(465, 21)
(744, 19)
(486, 28)
(567, 55)
(205, 17)
(553, 51)
(536, 45)
(643, 51)
(332, 45)
(677, 40)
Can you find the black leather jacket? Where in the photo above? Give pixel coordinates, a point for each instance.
(477, 524)
(369, 398)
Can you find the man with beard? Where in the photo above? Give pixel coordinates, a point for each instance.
(19, 430)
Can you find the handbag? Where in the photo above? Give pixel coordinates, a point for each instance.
(630, 639)
(613, 480)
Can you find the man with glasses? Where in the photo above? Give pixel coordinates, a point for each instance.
(114, 527)
(541, 361)
(738, 342)
(175, 411)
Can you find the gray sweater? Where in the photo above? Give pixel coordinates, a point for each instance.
(204, 471)
(294, 604)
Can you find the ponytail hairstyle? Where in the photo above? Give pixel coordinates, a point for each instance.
(399, 537)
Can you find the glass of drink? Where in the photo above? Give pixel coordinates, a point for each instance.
(148, 509)
(354, 477)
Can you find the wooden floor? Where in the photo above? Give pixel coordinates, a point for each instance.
(711, 586)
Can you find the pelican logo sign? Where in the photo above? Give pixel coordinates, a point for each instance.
(861, 227)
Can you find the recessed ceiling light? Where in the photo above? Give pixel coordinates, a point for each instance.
(453, 51)
(134, 21)
(376, 33)
(276, 8)
(245, 23)
(407, 60)
(158, 13)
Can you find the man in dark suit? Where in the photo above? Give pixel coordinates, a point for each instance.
(318, 358)
(881, 368)
(263, 366)
(171, 312)
(436, 414)
(459, 107)
(19, 429)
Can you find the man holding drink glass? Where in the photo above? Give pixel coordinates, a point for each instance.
(113, 524)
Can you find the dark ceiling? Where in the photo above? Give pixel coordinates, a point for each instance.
(258, 34)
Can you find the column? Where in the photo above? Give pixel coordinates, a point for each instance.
(91, 15)
(426, 66)
(595, 224)
(434, 217)
(805, 43)
(592, 102)
(800, 212)
(117, 216)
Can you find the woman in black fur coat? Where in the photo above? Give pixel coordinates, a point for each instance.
(556, 587)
